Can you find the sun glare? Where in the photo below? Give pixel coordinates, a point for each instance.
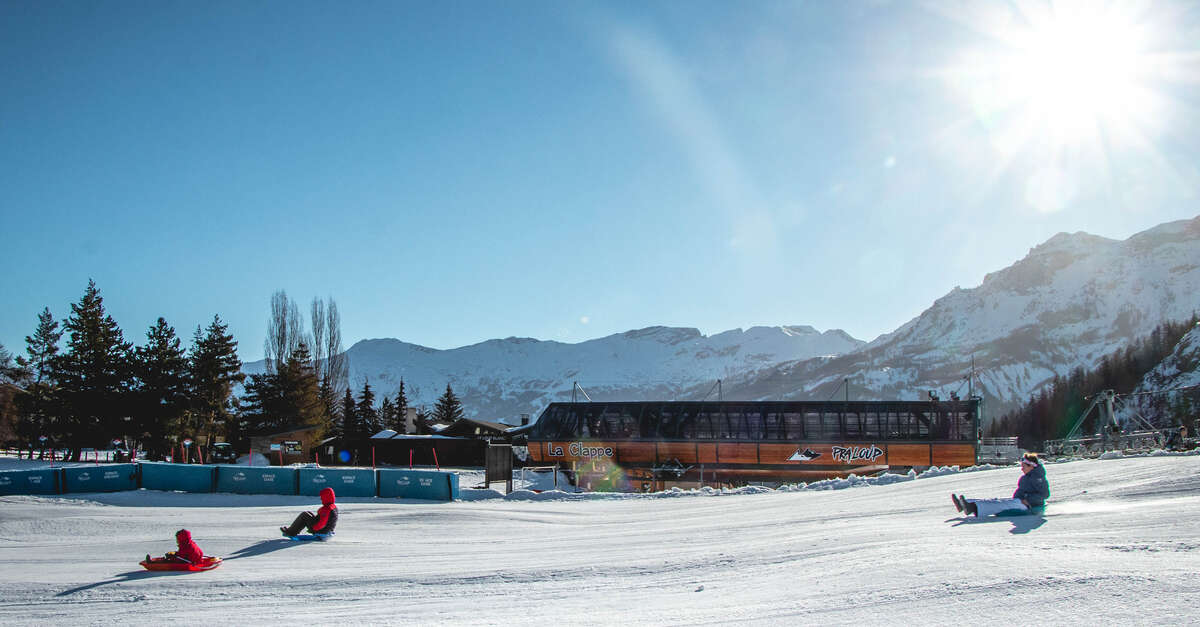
(1077, 71)
(1067, 70)
(1062, 89)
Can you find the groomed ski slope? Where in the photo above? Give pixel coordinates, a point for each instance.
(1119, 545)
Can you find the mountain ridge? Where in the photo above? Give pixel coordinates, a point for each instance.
(1067, 302)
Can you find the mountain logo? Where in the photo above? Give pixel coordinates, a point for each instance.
(804, 456)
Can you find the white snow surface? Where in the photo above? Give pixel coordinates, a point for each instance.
(1118, 544)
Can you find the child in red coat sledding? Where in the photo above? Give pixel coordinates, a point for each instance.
(187, 553)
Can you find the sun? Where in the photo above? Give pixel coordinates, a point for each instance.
(1068, 71)
(1077, 71)
(1063, 91)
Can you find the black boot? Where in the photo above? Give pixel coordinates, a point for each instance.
(971, 508)
(958, 506)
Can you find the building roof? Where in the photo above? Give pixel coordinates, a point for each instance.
(468, 426)
(288, 432)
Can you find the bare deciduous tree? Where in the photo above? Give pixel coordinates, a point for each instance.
(285, 331)
(337, 365)
(319, 356)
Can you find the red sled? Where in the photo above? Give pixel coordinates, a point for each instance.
(161, 563)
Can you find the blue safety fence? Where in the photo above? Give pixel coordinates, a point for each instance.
(106, 478)
(256, 479)
(178, 477)
(428, 485)
(344, 481)
(44, 481)
(432, 485)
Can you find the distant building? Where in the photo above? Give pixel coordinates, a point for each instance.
(463, 443)
(288, 447)
(478, 429)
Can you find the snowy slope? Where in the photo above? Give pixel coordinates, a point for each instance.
(1117, 546)
(501, 379)
(1067, 303)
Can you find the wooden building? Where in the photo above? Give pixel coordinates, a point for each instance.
(293, 446)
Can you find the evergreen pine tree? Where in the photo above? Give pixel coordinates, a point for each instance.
(261, 406)
(42, 347)
(351, 432)
(401, 409)
(423, 421)
(448, 408)
(301, 391)
(286, 399)
(163, 383)
(329, 415)
(368, 417)
(214, 369)
(93, 375)
(36, 405)
(387, 414)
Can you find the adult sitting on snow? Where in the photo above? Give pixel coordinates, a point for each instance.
(1029, 498)
(321, 523)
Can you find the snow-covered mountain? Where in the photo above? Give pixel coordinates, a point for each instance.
(502, 379)
(1067, 303)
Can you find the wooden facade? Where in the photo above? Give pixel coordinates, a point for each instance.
(654, 445)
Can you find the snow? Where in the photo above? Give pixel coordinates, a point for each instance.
(1118, 541)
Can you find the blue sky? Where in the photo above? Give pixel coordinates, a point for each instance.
(452, 172)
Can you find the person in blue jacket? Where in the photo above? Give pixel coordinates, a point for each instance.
(1029, 498)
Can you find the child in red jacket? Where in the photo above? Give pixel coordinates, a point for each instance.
(188, 552)
(322, 522)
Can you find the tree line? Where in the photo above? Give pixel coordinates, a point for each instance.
(98, 388)
(1050, 413)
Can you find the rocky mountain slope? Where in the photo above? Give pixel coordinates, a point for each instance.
(1163, 397)
(1068, 302)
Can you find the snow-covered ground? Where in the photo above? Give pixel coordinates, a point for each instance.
(1118, 545)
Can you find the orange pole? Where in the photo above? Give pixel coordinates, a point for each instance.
(435, 461)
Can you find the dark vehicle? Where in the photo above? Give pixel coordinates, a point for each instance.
(223, 453)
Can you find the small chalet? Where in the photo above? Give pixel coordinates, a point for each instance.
(287, 447)
(476, 429)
